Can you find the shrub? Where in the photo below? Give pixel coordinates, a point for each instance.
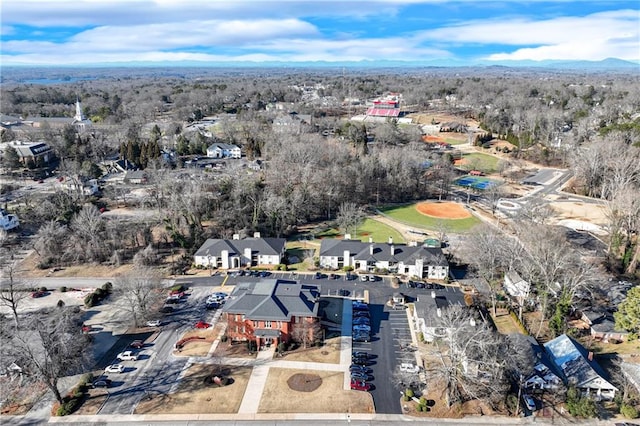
(421, 337)
(224, 338)
(99, 293)
(347, 268)
(63, 289)
(89, 300)
(409, 393)
(629, 411)
(43, 289)
(107, 287)
(282, 347)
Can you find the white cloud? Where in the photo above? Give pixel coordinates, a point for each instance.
(595, 37)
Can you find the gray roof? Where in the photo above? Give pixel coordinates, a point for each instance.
(383, 251)
(427, 308)
(261, 246)
(572, 359)
(274, 300)
(223, 146)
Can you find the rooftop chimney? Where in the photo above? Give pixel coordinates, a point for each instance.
(236, 236)
(390, 240)
(347, 236)
(393, 250)
(370, 240)
(256, 235)
(371, 249)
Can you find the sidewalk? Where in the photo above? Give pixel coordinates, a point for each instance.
(257, 382)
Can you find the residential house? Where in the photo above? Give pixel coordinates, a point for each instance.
(516, 287)
(224, 150)
(602, 325)
(272, 311)
(544, 375)
(135, 177)
(578, 368)
(36, 153)
(426, 316)
(413, 259)
(240, 253)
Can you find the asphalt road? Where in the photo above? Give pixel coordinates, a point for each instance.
(157, 370)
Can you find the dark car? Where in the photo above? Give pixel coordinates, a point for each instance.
(101, 383)
(359, 306)
(166, 309)
(361, 314)
(349, 277)
(428, 286)
(361, 321)
(319, 276)
(420, 285)
(137, 344)
(360, 369)
(333, 276)
(213, 305)
(360, 361)
(411, 284)
(343, 292)
(265, 274)
(361, 337)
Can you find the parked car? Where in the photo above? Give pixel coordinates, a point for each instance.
(176, 293)
(319, 276)
(364, 278)
(411, 284)
(154, 323)
(114, 368)
(167, 309)
(406, 367)
(359, 306)
(361, 337)
(265, 274)
(360, 385)
(361, 314)
(333, 276)
(349, 277)
(38, 293)
(172, 300)
(343, 292)
(202, 324)
(361, 354)
(374, 278)
(529, 402)
(420, 285)
(361, 321)
(101, 383)
(137, 344)
(127, 356)
(359, 368)
(212, 305)
(360, 361)
(359, 376)
(362, 327)
(220, 295)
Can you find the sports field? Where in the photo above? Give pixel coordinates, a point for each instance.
(434, 215)
(476, 182)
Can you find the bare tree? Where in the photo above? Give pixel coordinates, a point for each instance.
(13, 291)
(139, 291)
(306, 333)
(349, 217)
(50, 345)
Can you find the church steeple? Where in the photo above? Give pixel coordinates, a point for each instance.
(78, 116)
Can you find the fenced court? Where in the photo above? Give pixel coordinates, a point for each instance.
(475, 182)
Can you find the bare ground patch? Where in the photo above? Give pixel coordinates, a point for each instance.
(329, 397)
(443, 210)
(235, 350)
(195, 397)
(92, 403)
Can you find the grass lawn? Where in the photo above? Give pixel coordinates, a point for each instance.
(410, 216)
(505, 324)
(455, 141)
(195, 397)
(483, 162)
(304, 251)
(370, 228)
(329, 397)
(329, 353)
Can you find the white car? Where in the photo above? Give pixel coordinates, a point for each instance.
(406, 367)
(114, 368)
(153, 323)
(127, 356)
(529, 402)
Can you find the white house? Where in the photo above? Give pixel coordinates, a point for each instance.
(426, 316)
(578, 368)
(8, 221)
(224, 150)
(240, 253)
(516, 287)
(413, 260)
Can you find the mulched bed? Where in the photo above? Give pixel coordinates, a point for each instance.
(304, 382)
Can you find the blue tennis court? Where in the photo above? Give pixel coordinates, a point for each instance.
(475, 182)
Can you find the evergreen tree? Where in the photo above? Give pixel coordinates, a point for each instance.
(11, 159)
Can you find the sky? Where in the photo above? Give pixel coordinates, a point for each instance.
(175, 32)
